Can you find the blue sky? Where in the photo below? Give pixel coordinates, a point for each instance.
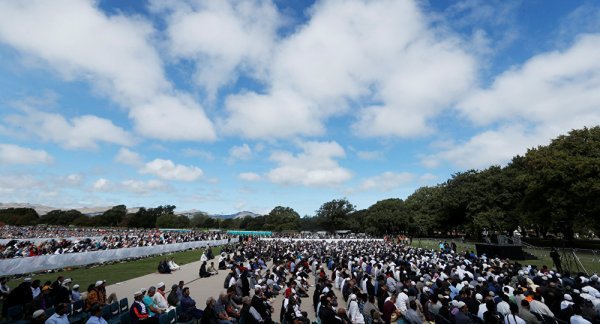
(225, 106)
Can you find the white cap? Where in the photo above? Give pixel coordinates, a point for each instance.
(99, 283)
(160, 285)
(75, 286)
(568, 297)
(352, 297)
(478, 297)
(137, 293)
(143, 290)
(257, 287)
(67, 281)
(38, 313)
(461, 304)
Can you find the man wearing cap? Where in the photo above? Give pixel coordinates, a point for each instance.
(159, 298)
(38, 317)
(94, 296)
(139, 312)
(461, 316)
(75, 293)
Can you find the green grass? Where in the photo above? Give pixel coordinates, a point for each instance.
(590, 261)
(118, 272)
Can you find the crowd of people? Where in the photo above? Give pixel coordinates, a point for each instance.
(101, 240)
(354, 282)
(385, 282)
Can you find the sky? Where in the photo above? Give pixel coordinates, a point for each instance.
(224, 106)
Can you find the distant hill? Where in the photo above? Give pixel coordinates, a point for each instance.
(94, 211)
(43, 210)
(241, 214)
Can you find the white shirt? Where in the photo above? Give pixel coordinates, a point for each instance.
(577, 319)
(402, 303)
(481, 311)
(503, 308)
(354, 313)
(160, 301)
(540, 308)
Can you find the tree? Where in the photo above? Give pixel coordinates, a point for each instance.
(19, 216)
(172, 221)
(424, 207)
(282, 219)
(111, 217)
(60, 217)
(388, 217)
(332, 215)
(563, 182)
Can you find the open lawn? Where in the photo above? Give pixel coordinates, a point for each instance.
(590, 261)
(121, 271)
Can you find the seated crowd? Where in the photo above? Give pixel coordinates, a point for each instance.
(112, 239)
(345, 282)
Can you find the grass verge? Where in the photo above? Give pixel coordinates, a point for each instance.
(120, 271)
(590, 262)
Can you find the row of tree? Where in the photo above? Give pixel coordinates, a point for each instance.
(551, 189)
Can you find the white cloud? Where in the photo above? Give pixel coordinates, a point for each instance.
(491, 147)
(249, 176)
(101, 184)
(14, 154)
(554, 87)
(126, 156)
(82, 132)
(382, 53)
(387, 181)
(315, 166)
(113, 53)
(166, 169)
(223, 38)
(173, 117)
(143, 187)
(547, 96)
(243, 152)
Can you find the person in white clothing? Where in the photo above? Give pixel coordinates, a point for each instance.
(172, 265)
(402, 302)
(354, 312)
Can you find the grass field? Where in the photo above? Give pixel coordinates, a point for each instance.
(590, 261)
(118, 272)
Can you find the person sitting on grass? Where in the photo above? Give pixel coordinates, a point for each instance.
(172, 265)
(163, 267)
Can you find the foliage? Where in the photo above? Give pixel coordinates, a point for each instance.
(19, 216)
(333, 214)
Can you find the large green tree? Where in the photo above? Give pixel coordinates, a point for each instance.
(333, 214)
(563, 182)
(282, 219)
